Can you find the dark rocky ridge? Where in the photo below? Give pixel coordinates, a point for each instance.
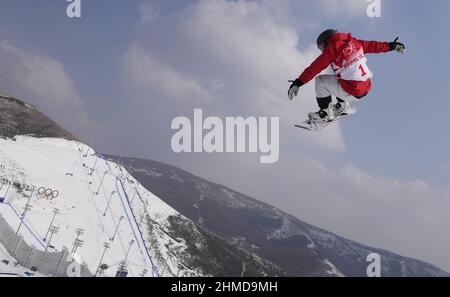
(20, 118)
(210, 254)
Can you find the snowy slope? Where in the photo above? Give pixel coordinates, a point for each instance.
(97, 200)
(117, 222)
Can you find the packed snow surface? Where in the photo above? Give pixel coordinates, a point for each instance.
(90, 194)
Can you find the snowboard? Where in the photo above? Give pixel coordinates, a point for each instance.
(314, 127)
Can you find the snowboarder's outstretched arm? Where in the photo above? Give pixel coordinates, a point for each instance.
(322, 62)
(374, 47)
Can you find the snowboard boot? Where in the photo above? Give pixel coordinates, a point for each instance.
(341, 108)
(322, 116)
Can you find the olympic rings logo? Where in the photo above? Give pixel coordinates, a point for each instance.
(349, 49)
(48, 193)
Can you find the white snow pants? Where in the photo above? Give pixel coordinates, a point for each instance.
(328, 85)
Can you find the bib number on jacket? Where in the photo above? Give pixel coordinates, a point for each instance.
(351, 63)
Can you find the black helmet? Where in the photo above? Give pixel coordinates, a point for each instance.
(323, 37)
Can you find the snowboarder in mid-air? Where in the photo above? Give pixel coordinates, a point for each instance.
(352, 76)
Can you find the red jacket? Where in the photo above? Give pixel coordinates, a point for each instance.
(335, 52)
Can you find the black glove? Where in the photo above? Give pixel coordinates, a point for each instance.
(397, 46)
(293, 89)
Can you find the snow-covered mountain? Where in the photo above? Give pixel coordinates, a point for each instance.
(66, 210)
(297, 247)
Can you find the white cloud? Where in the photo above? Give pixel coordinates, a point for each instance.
(43, 82)
(148, 13)
(145, 74)
(238, 59)
(407, 217)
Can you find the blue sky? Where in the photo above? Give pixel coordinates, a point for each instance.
(234, 58)
(403, 100)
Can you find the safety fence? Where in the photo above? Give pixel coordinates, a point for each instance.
(47, 263)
